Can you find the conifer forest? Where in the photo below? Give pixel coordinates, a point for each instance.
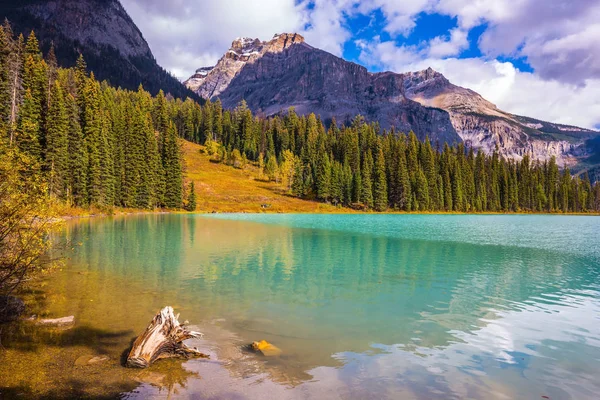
(96, 145)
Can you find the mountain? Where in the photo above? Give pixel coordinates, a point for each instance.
(112, 45)
(287, 72)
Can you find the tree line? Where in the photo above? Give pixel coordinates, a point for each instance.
(102, 146)
(96, 145)
(365, 167)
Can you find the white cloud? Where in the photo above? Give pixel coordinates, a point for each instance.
(559, 38)
(440, 46)
(186, 35)
(501, 83)
(400, 15)
(326, 30)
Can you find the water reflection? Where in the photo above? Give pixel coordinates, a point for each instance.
(362, 309)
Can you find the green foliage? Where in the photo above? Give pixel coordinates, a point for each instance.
(191, 199)
(361, 166)
(25, 215)
(95, 145)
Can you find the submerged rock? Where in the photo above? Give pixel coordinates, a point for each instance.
(11, 308)
(90, 360)
(266, 349)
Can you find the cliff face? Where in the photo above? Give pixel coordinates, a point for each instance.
(101, 30)
(210, 82)
(287, 72)
(93, 23)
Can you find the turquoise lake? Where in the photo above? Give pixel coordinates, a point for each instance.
(362, 306)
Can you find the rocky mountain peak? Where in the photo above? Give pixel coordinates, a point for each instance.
(211, 81)
(283, 41)
(427, 80)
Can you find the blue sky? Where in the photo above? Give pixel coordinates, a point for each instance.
(539, 58)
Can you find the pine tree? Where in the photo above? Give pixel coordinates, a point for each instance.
(77, 157)
(422, 191)
(299, 183)
(380, 194)
(323, 176)
(191, 200)
(172, 168)
(57, 143)
(15, 82)
(32, 47)
(336, 190)
(92, 133)
(28, 127)
(366, 193)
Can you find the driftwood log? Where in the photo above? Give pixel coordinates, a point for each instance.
(162, 339)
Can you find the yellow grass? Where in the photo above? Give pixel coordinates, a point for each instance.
(222, 188)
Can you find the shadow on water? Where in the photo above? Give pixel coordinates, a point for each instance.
(26, 337)
(77, 389)
(48, 360)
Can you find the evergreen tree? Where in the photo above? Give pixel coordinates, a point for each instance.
(366, 193)
(57, 143)
(172, 168)
(380, 193)
(323, 176)
(28, 127)
(77, 157)
(191, 200)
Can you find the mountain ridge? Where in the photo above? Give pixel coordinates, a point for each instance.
(312, 80)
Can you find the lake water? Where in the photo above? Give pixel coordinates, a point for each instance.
(362, 306)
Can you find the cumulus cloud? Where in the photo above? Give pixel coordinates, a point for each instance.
(400, 15)
(522, 93)
(325, 28)
(559, 38)
(441, 46)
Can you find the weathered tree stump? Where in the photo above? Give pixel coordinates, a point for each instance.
(162, 339)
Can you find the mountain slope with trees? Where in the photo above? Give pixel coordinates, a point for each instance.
(287, 72)
(106, 147)
(95, 145)
(102, 31)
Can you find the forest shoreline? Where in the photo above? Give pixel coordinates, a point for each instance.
(82, 214)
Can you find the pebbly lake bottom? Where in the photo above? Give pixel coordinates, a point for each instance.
(362, 306)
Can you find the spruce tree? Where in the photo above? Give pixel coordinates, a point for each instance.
(323, 176)
(92, 133)
(380, 194)
(172, 168)
(77, 157)
(191, 200)
(366, 193)
(57, 143)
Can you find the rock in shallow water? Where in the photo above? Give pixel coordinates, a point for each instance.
(266, 349)
(90, 360)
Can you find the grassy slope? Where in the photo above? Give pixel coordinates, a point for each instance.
(223, 188)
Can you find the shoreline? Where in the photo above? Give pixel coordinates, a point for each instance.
(129, 212)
